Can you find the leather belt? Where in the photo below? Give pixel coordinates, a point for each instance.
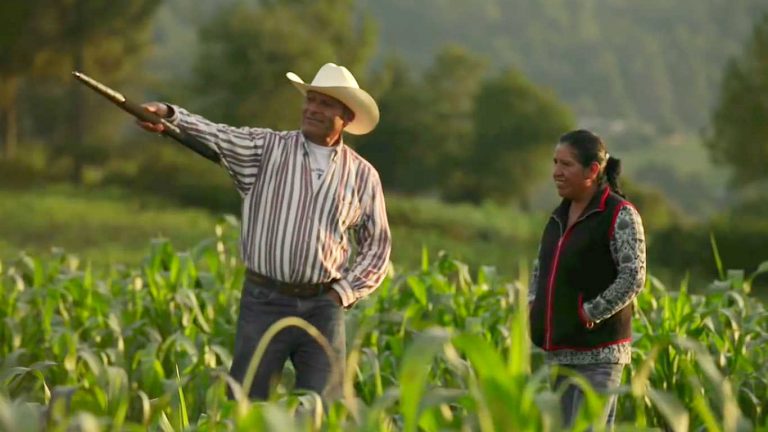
(301, 290)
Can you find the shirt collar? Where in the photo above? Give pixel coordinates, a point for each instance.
(336, 148)
(596, 204)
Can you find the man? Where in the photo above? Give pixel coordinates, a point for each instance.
(302, 192)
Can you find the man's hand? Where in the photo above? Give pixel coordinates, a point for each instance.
(335, 297)
(158, 108)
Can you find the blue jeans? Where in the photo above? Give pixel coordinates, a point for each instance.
(261, 307)
(602, 377)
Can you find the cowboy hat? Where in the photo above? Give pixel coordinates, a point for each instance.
(338, 82)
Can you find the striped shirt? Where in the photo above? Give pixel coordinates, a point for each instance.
(292, 231)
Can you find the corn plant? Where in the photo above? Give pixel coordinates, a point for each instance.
(438, 348)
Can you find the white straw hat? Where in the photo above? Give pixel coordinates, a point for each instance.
(338, 82)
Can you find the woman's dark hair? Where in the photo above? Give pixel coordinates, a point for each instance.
(590, 148)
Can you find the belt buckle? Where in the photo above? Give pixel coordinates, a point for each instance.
(300, 290)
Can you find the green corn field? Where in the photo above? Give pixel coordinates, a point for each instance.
(437, 349)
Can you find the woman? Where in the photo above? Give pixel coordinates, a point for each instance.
(591, 265)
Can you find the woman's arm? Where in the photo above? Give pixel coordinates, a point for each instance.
(628, 251)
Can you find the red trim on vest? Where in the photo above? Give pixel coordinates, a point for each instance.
(604, 198)
(581, 312)
(551, 288)
(616, 216)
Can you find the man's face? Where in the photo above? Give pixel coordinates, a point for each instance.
(572, 179)
(323, 117)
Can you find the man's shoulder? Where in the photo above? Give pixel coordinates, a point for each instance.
(287, 135)
(359, 162)
(285, 139)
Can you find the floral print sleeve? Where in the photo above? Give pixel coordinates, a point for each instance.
(628, 251)
(534, 280)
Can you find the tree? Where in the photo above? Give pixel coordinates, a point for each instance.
(105, 37)
(648, 86)
(651, 61)
(21, 35)
(246, 51)
(451, 85)
(399, 147)
(739, 135)
(516, 128)
(426, 124)
(102, 37)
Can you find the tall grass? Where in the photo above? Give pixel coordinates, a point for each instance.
(107, 225)
(439, 348)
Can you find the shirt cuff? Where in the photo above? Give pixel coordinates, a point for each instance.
(346, 293)
(172, 115)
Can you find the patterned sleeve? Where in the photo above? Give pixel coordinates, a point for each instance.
(534, 280)
(374, 242)
(628, 251)
(240, 149)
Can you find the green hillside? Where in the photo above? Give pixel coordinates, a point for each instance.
(656, 62)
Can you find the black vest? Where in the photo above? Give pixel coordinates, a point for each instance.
(575, 266)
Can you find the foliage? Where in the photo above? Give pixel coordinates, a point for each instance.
(247, 50)
(105, 225)
(110, 224)
(739, 135)
(516, 126)
(399, 147)
(435, 349)
(685, 248)
(16, 42)
(172, 173)
(452, 84)
(426, 124)
(646, 63)
(655, 209)
(102, 38)
(611, 69)
(501, 236)
(459, 134)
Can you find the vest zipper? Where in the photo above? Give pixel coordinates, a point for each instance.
(552, 274)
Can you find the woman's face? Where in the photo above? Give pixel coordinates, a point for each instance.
(572, 180)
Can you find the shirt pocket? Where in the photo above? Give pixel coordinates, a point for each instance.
(349, 212)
